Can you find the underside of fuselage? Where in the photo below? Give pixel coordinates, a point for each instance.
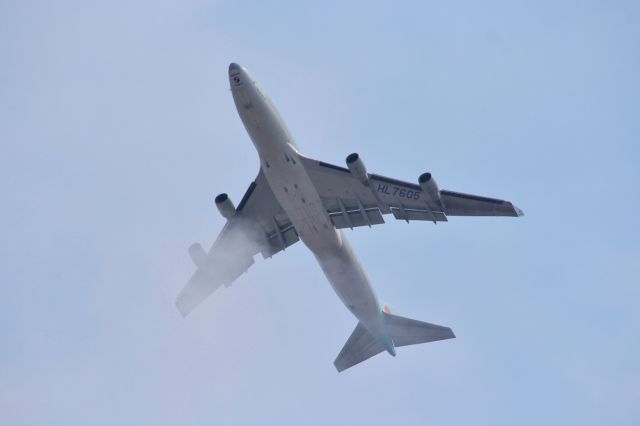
(281, 163)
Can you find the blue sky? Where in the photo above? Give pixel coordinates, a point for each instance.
(117, 129)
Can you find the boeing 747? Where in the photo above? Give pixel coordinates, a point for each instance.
(298, 198)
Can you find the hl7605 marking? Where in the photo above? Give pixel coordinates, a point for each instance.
(396, 191)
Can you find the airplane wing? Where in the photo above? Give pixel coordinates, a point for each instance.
(259, 225)
(353, 202)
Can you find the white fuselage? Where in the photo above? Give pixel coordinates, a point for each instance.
(294, 190)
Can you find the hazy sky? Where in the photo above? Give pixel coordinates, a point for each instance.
(117, 129)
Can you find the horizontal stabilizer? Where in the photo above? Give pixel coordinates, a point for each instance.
(362, 345)
(407, 331)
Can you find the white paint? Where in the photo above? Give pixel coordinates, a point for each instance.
(294, 190)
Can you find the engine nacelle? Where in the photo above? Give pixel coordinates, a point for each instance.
(357, 168)
(225, 206)
(198, 255)
(430, 189)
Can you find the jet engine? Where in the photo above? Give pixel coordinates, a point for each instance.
(430, 189)
(357, 168)
(225, 206)
(198, 255)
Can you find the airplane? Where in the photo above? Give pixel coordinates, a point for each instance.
(298, 198)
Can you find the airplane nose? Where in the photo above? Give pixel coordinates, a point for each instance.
(234, 67)
(237, 75)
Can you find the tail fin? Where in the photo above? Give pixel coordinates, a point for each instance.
(404, 331)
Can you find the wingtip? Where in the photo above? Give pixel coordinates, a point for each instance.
(183, 307)
(519, 212)
(183, 313)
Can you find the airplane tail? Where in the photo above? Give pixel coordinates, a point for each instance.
(362, 345)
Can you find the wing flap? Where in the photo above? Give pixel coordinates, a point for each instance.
(280, 239)
(402, 213)
(356, 218)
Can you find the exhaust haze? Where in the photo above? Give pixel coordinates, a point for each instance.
(117, 130)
